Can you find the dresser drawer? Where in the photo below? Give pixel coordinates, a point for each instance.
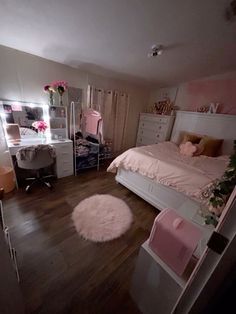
(158, 119)
(141, 140)
(161, 137)
(153, 125)
(64, 159)
(64, 168)
(64, 163)
(65, 173)
(64, 156)
(152, 134)
(64, 148)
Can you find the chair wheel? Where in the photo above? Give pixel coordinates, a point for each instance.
(27, 189)
(48, 185)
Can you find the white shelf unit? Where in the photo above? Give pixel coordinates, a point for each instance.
(58, 122)
(155, 286)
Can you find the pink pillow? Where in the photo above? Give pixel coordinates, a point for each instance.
(188, 149)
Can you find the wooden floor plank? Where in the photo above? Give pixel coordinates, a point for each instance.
(60, 271)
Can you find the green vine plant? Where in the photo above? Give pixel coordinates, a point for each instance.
(221, 190)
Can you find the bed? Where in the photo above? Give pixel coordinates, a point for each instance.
(159, 192)
(164, 164)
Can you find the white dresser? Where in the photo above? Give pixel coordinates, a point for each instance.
(154, 128)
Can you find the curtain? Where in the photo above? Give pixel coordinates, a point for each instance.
(121, 115)
(114, 107)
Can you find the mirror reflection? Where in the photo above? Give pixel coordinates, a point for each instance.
(22, 115)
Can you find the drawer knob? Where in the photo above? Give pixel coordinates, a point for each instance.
(157, 135)
(159, 127)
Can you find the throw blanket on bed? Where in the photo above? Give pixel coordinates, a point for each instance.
(164, 163)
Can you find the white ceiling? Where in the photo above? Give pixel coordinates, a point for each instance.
(113, 37)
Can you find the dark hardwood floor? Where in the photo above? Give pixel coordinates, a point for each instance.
(61, 272)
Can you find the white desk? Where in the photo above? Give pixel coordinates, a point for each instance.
(64, 153)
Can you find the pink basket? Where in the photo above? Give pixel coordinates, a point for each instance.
(174, 239)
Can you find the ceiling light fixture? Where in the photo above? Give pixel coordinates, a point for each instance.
(156, 50)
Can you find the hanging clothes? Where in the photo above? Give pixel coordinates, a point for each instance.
(93, 123)
(114, 108)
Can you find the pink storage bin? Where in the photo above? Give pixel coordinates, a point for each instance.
(174, 239)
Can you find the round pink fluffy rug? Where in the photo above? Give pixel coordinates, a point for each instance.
(102, 218)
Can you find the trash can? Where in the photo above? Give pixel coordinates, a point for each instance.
(7, 179)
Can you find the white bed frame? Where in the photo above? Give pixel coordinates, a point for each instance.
(160, 196)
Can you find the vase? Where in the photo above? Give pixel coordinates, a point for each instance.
(42, 136)
(51, 99)
(60, 100)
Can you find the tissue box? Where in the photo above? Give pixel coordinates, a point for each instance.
(174, 239)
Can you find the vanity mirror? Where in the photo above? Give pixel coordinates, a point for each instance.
(22, 115)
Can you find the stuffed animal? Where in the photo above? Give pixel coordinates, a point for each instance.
(188, 149)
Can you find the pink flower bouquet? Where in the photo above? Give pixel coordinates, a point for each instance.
(41, 126)
(56, 86)
(60, 86)
(48, 88)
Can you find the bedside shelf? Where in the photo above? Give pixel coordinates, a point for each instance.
(180, 280)
(155, 285)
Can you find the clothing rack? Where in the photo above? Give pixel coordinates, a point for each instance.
(75, 127)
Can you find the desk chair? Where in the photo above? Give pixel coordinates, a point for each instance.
(43, 156)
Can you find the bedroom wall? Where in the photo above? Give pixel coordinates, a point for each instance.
(23, 77)
(191, 95)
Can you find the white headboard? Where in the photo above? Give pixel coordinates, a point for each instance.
(221, 126)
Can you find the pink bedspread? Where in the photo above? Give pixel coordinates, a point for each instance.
(164, 163)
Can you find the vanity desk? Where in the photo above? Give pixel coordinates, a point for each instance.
(64, 153)
(18, 119)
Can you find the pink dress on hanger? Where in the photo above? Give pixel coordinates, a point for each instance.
(93, 122)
